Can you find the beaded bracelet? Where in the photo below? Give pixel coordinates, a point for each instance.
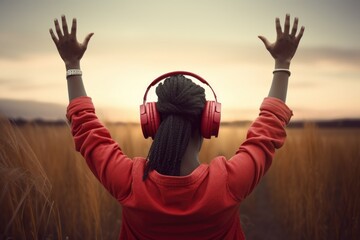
(73, 72)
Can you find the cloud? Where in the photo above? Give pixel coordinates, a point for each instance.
(222, 52)
(14, 48)
(12, 82)
(28, 86)
(20, 84)
(5, 81)
(311, 55)
(303, 113)
(302, 84)
(31, 109)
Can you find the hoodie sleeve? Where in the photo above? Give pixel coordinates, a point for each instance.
(102, 154)
(254, 157)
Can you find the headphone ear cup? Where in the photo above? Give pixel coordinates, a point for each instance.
(150, 119)
(144, 120)
(154, 119)
(210, 119)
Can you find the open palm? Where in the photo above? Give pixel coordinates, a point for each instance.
(284, 48)
(70, 50)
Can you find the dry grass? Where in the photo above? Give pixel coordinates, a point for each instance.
(26, 205)
(315, 180)
(47, 191)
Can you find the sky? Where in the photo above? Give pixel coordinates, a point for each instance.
(136, 41)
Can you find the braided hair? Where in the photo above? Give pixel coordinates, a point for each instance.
(180, 104)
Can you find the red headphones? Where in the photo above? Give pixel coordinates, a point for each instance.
(150, 117)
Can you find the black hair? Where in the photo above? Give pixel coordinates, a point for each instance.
(180, 105)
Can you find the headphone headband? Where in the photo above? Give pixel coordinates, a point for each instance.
(169, 74)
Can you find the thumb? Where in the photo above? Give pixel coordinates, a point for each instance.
(265, 41)
(87, 39)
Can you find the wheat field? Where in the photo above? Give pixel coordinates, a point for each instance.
(312, 190)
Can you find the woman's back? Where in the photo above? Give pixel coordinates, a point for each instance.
(196, 206)
(202, 205)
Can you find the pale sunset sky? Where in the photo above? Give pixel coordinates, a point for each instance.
(136, 41)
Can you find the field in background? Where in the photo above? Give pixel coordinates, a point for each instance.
(47, 191)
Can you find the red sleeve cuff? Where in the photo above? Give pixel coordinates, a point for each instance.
(277, 107)
(79, 104)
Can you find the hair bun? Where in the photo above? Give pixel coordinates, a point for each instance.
(180, 96)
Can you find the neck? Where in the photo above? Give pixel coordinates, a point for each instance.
(190, 160)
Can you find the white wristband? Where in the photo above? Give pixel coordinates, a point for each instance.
(282, 70)
(73, 72)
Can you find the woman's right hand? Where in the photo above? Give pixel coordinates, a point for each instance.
(70, 50)
(284, 48)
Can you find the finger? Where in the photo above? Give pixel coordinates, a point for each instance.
(294, 29)
(299, 36)
(278, 26)
(53, 36)
(73, 27)
(265, 41)
(87, 39)
(57, 28)
(64, 25)
(287, 24)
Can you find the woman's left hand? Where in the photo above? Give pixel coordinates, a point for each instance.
(70, 50)
(284, 48)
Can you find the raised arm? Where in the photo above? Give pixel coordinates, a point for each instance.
(267, 133)
(282, 50)
(71, 52)
(92, 139)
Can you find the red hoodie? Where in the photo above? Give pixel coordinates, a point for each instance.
(202, 205)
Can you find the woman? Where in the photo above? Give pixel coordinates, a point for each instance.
(170, 195)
